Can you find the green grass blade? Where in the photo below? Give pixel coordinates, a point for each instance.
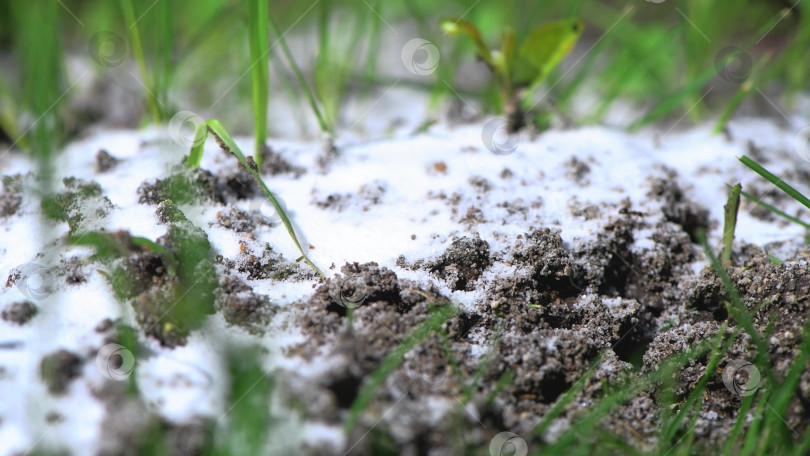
(195, 155)
(373, 46)
(393, 360)
(776, 211)
(567, 397)
(226, 142)
(753, 80)
(673, 101)
(730, 223)
(782, 395)
(41, 65)
(585, 426)
(745, 405)
(130, 20)
(163, 58)
(259, 70)
(676, 99)
(738, 310)
(308, 92)
(779, 183)
(693, 401)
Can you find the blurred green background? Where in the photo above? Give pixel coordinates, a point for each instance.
(669, 58)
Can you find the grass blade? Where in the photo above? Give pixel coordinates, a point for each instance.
(776, 211)
(308, 92)
(41, 65)
(567, 397)
(779, 183)
(738, 310)
(673, 101)
(226, 142)
(753, 80)
(259, 70)
(137, 50)
(731, 208)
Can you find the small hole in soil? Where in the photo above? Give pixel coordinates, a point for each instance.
(553, 385)
(345, 390)
(720, 314)
(336, 308)
(632, 345)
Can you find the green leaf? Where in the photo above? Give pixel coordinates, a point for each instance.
(548, 44)
(455, 27)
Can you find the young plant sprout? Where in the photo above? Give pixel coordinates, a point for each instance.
(520, 71)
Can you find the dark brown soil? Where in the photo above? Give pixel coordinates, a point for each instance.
(274, 163)
(241, 221)
(240, 306)
(20, 312)
(369, 194)
(105, 162)
(462, 263)
(676, 206)
(194, 185)
(59, 369)
(542, 328)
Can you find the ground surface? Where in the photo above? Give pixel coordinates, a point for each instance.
(577, 242)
